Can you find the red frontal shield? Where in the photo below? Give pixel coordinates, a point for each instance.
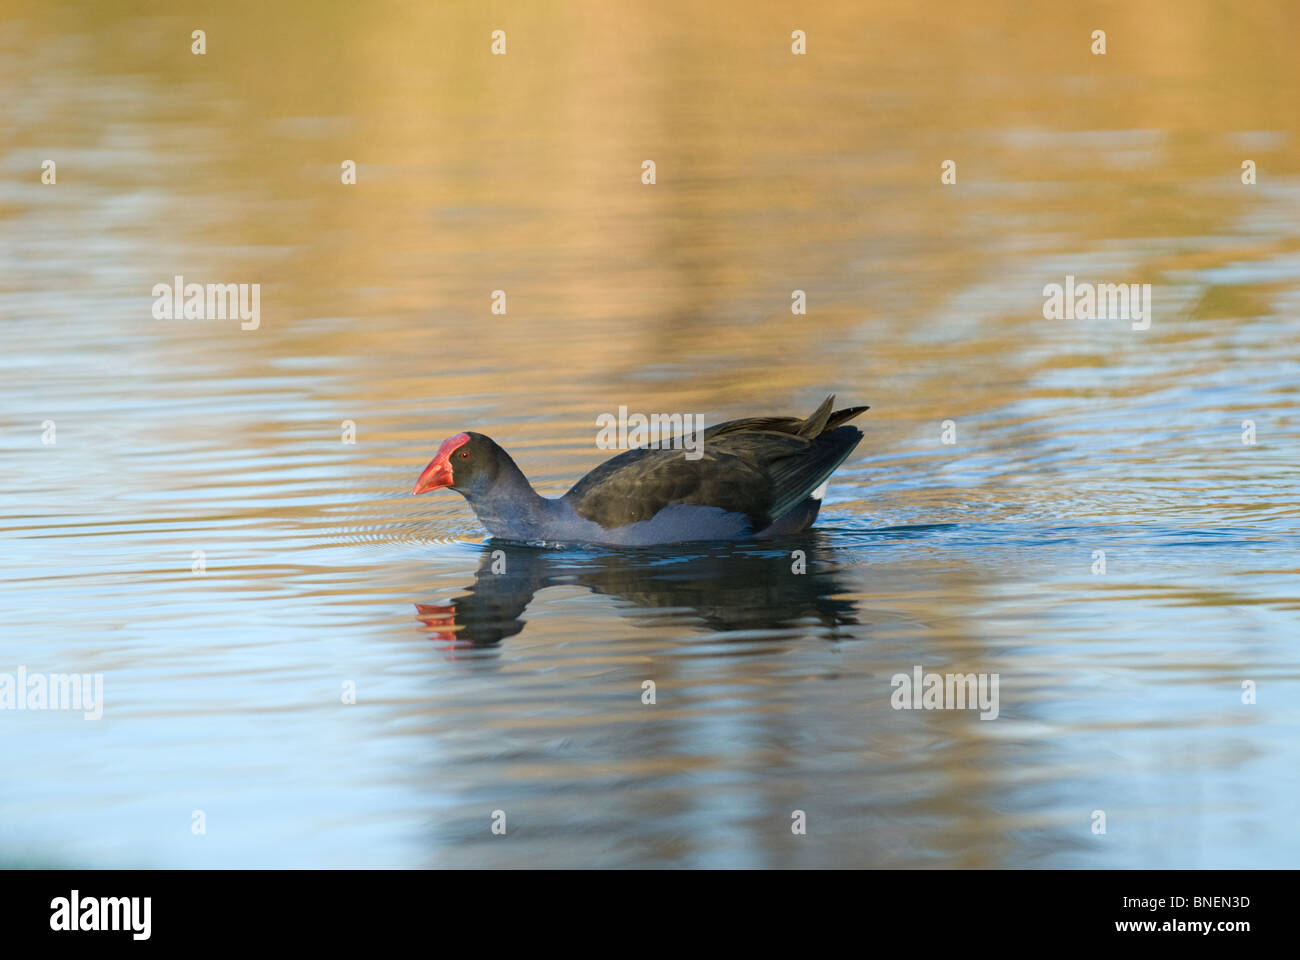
(438, 473)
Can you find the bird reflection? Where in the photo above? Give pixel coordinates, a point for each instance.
(724, 588)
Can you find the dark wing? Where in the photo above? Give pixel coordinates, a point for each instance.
(761, 467)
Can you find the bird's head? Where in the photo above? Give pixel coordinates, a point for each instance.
(467, 463)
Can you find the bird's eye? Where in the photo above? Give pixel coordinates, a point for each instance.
(464, 454)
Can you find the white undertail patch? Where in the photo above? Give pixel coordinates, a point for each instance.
(820, 491)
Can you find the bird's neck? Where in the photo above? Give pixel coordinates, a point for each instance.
(510, 507)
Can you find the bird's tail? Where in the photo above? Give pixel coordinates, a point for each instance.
(824, 419)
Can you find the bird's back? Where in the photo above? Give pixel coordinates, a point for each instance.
(758, 467)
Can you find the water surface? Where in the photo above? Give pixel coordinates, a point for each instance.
(521, 691)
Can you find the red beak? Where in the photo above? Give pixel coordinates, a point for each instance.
(438, 473)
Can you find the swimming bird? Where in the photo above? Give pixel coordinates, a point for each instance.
(756, 477)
